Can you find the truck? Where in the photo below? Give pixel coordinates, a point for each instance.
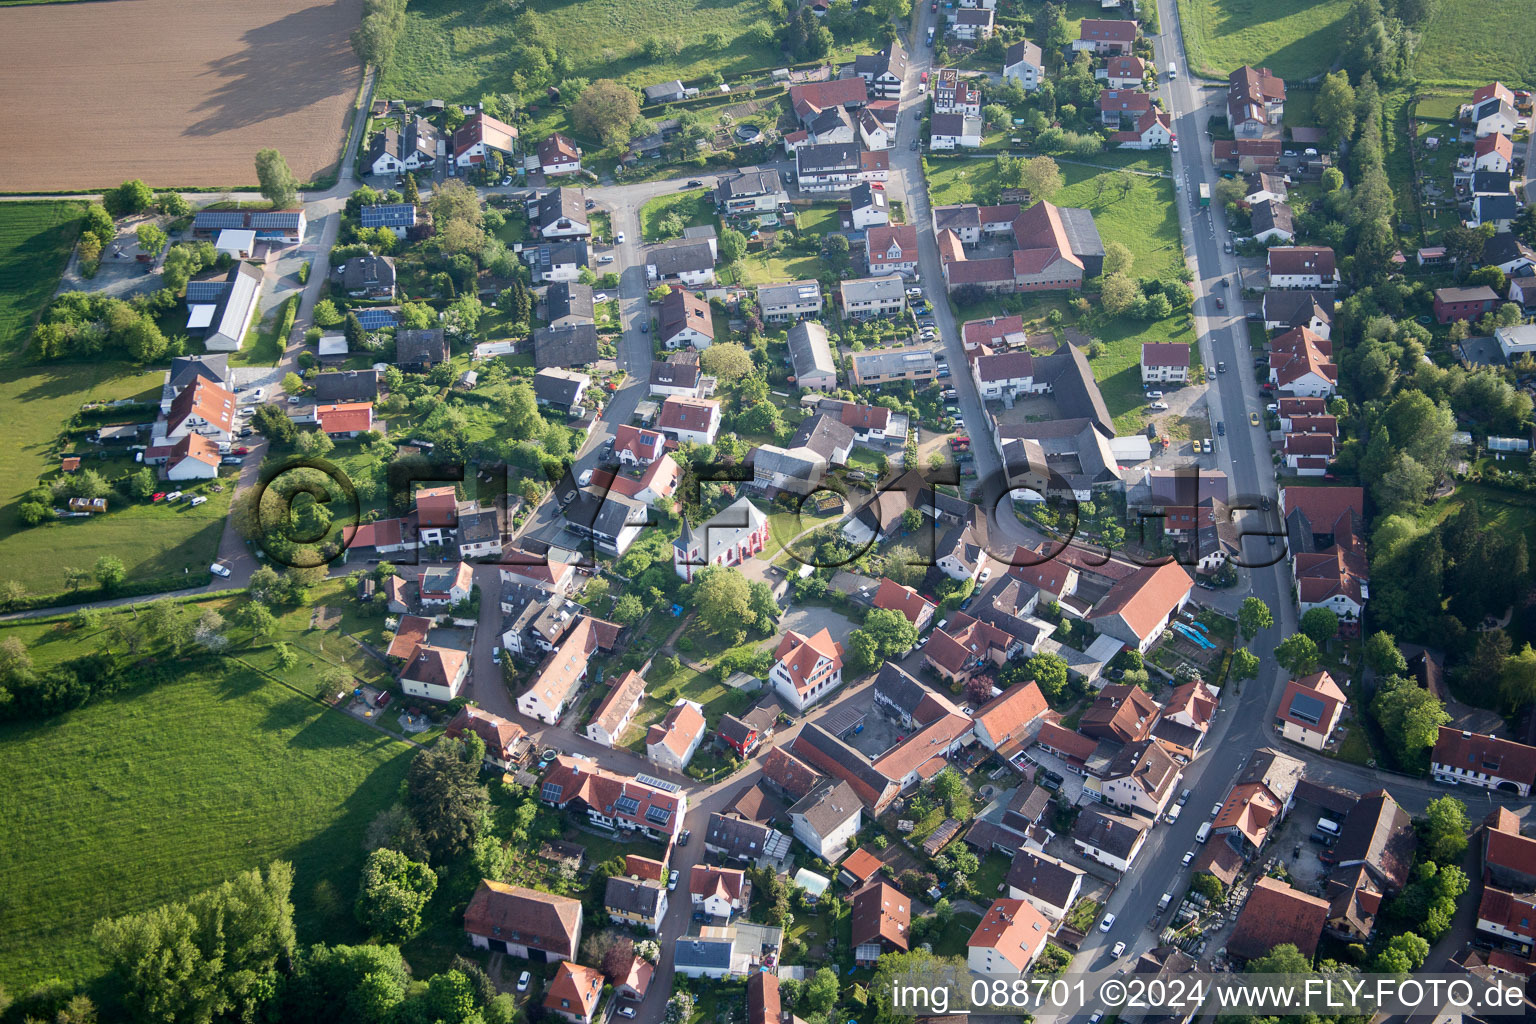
(1162, 904)
(930, 35)
(1205, 193)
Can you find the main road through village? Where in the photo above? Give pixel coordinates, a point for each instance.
(1243, 452)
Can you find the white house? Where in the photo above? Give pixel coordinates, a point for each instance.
(1113, 840)
(1044, 882)
(1482, 760)
(826, 817)
(806, 668)
(1154, 130)
(951, 131)
(672, 742)
(1164, 363)
(194, 457)
(1302, 266)
(867, 207)
(873, 132)
(717, 892)
(892, 249)
(447, 585)
(1493, 153)
(559, 155)
(1009, 938)
(436, 673)
(695, 420)
(1142, 777)
(1494, 116)
(1310, 709)
(1024, 62)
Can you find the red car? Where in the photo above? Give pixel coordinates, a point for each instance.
(1219, 303)
(242, 450)
(157, 496)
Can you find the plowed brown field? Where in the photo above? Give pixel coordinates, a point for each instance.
(178, 93)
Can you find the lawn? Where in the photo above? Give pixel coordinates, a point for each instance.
(755, 269)
(35, 242)
(951, 940)
(152, 540)
(1293, 38)
(693, 207)
(131, 802)
(1474, 42)
(460, 49)
(1143, 219)
(1499, 511)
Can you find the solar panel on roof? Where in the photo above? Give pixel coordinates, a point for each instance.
(206, 291)
(276, 219)
(551, 792)
(661, 784)
(627, 805)
(374, 319)
(1308, 709)
(660, 815)
(219, 219)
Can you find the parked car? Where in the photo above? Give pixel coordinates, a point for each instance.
(255, 397)
(1119, 946)
(1221, 428)
(523, 981)
(158, 496)
(672, 881)
(246, 432)
(1154, 394)
(1189, 855)
(695, 183)
(605, 258)
(1158, 407)
(220, 569)
(174, 495)
(1108, 923)
(1253, 418)
(619, 238)
(495, 655)
(626, 1011)
(1184, 798)
(232, 460)
(242, 450)
(683, 837)
(1216, 810)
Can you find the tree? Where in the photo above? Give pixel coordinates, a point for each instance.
(1117, 259)
(1297, 654)
(1049, 671)
(1409, 715)
(1252, 616)
(1040, 176)
(326, 314)
(820, 992)
(278, 184)
(314, 443)
(732, 245)
(627, 610)
(1335, 107)
(352, 328)
(1517, 681)
(890, 632)
(456, 200)
(128, 198)
(1320, 624)
(393, 893)
(837, 257)
(995, 114)
(209, 631)
(110, 572)
(728, 361)
(606, 110)
(172, 204)
(1402, 954)
(152, 239)
(257, 618)
(163, 621)
(1444, 830)
(409, 192)
(1382, 655)
(445, 798)
(724, 601)
(1118, 294)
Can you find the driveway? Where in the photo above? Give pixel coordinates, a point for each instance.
(810, 619)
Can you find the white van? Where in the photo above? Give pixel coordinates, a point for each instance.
(1173, 70)
(1204, 833)
(1328, 826)
(1173, 814)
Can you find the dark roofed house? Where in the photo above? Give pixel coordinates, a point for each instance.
(1378, 835)
(523, 922)
(370, 276)
(1274, 915)
(418, 351)
(790, 776)
(346, 386)
(746, 842)
(565, 347)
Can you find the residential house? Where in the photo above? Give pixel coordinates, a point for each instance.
(672, 742)
(837, 167)
(875, 133)
(1247, 155)
(788, 776)
(690, 261)
(871, 424)
(1011, 935)
(823, 755)
(1466, 303)
(1111, 38)
(1121, 713)
(867, 208)
(1276, 914)
(1024, 62)
(951, 131)
(417, 351)
(367, 277)
(1301, 364)
(561, 213)
(574, 993)
(882, 918)
(1259, 798)
(732, 536)
(914, 607)
(345, 419)
(695, 420)
(479, 534)
(1302, 266)
(791, 301)
(617, 710)
(1044, 882)
(1115, 104)
(1474, 759)
(806, 668)
(825, 819)
(711, 954)
(1493, 153)
(637, 446)
(750, 192)
(883, 366)
(652, 807)
(392, 151)
(345, 386)
(1127, 72)
(763, 1005)
(1506, 251)
(743, 734)
(559, 155)
(445, 586)
(1255, 101)
(1143, 777)
(481, 136)
(1325, 530)
(635, 901)
(1154, 130)
(954, 95)
(611, 519)
(524, 923)
(718, 893)
(1283, 310)
(186, 370)
(972, 24)
(565, 669)
(1261, 187)
(745, 841)
(1310, 709)
(810, 356)
(865, 298)
(286, 226)
(505, 741)
(884, 72)
(1378, 835)
(193, 457)
(1138, 607)
(665, 92)
(1164, 363)
(1522, 292)
(797, 470)
(684, 320)
(1011, 719)
(1113, 840)
(677, 375)
(1494, 116)
(560, 387)
(892, 249)
(558, 261)
(204, 408)
(398, 217)
(1272, 222)
(966, 646)
(1500, 211)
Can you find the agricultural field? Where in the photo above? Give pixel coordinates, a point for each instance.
(133, 801)
(1293, 38)
(1143, 219)
(35, 242)
(457, 49)
(130, 104)
(1474, 42)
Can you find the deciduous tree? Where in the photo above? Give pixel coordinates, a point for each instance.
(393, 893)
(606, 110)
(278, 184)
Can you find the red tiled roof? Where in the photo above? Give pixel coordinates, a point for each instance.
(629, 688)
(1493, 90)
(381, 533)
(205, 400)
(892, 596)
(1145, 597)
(1124, 101)
(1299, 352)
(678, 730)
(525, 916)
(679, 412)
(643, 444)
(569, 779)
(1014, 929)
(437, 506)
(1478, 752)
(499, 734)
(791, 774)
(1495, 143)
(345, 417)
(1516, 913)
(881, 239)
(1009, 714)
(575, 989)
(1095, 30)
(1159, 353)
(1320, 686)
(862, 865)
(1073, 745)
(1302, 260)
(835, 93)
(707, 881)
(410, 635)
(881, 913)
(1323, 506)
(1276, 914)
(799, 655)
(1121, 712)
